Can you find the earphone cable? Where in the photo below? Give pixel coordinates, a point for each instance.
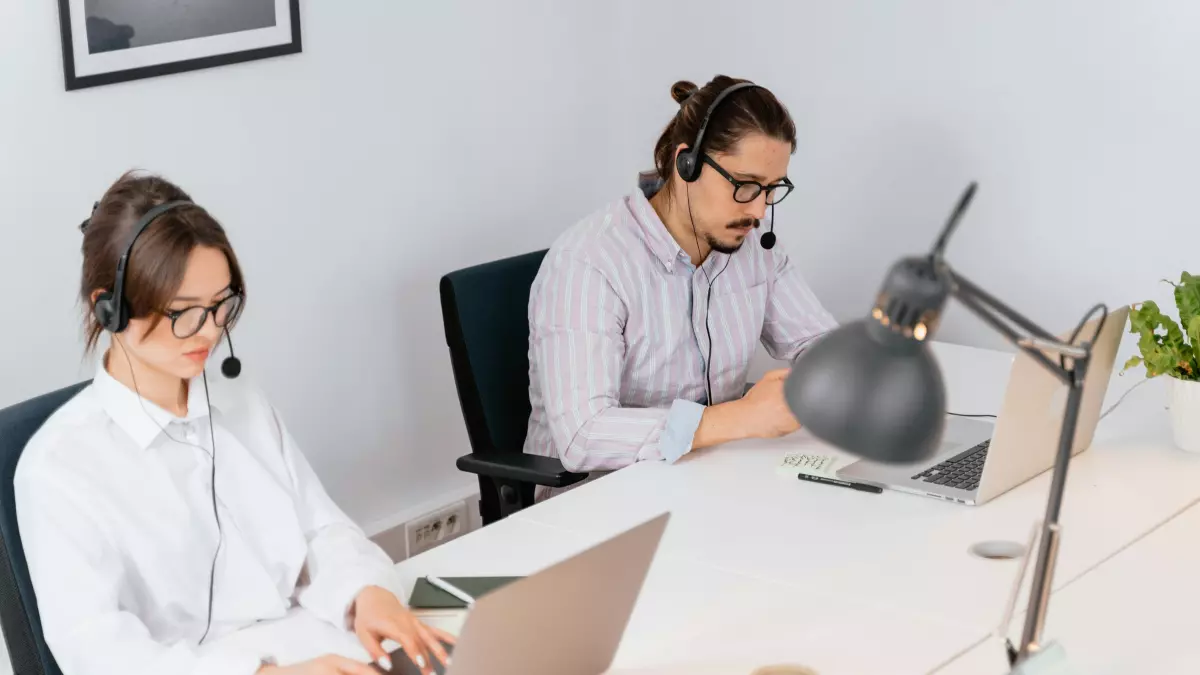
(212, 454)
(708, 302)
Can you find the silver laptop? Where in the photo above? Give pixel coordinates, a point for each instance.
(980, 460)
(565, 620)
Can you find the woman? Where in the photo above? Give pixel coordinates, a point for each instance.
(170, 529)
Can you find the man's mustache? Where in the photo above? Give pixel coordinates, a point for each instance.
(743, 223)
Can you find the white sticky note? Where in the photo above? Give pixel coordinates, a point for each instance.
(811, 463)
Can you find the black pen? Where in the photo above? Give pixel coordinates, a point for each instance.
(861, 487)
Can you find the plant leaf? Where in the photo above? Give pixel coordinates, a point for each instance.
(1187, 299)
(1193, 331)
(1133, 362)
(1161, 342)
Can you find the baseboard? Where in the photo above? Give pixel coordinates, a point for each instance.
(390, 532)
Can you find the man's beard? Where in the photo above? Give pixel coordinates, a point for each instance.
(728, 249)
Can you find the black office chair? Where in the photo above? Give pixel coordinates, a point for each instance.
(27, 650)
(485, 310)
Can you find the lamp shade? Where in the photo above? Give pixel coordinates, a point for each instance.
(870, 391)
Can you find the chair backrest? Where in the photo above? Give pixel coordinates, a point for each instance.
(19, 617)
(485, 310)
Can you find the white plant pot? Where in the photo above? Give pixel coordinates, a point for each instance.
(1185, 413)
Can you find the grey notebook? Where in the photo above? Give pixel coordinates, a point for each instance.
(427, 596)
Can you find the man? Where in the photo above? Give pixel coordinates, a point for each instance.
(644, 316)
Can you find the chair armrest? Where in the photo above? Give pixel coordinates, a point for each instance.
(521, 467)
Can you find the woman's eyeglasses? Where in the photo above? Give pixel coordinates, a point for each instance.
(187, 322)
(746, 191)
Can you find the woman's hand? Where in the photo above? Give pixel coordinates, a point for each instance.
(379, 616)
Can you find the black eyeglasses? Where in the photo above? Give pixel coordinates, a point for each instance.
(188, 321)
(746, 191)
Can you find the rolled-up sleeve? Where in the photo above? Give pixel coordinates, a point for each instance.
(577, 323)
(682, 422)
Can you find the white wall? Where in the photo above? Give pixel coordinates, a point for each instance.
(412, 139)
(408, 140)
(1080, 119)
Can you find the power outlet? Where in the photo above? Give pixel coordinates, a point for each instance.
(436, 528)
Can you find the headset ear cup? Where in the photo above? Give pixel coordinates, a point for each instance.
(111, 316)
(102, 309)
(685, 164)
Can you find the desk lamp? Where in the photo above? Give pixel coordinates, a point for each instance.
(873, 388)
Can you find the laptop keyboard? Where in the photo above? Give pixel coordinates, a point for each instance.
(961, 471)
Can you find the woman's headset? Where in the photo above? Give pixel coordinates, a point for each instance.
(112, 312)
(110, 308)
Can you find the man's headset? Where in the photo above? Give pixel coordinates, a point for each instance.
(688, 163)
(111, 309)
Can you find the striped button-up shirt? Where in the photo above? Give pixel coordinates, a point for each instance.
(618, 345)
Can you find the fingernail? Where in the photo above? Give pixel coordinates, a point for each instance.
(385, 663)
(420, 662)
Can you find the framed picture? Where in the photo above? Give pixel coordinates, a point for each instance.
(107, 41)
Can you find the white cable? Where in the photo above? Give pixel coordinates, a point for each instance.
(1102, 415)
(1122, 399)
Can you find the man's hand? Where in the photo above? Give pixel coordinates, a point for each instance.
(761, 413)
(764, 409)
(379, 616)
(326, 665)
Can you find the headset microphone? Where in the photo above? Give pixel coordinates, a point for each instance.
(767, 241)
(231, 367)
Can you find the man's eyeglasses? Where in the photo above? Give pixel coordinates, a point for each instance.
(746, 191)
(187, 322)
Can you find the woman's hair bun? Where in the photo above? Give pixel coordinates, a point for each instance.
(681, 90)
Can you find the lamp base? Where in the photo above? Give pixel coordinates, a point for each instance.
(1050, 660)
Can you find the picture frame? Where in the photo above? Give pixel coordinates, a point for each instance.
(110, 41)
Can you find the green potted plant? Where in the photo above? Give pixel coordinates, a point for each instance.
(1169, 348)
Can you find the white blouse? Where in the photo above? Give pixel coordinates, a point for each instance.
(115, 512)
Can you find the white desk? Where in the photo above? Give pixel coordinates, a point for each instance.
(844, 581)
(1135, 613)
(695, 618)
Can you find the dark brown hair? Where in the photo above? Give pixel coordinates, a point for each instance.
(159, 258)
(750, 110)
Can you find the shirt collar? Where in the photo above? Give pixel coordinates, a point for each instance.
(654, 232)
(140, 418)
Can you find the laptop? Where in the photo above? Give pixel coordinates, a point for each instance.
(566, 620)
(980, 460)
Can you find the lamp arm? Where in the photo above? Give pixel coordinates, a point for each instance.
(999, 316)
